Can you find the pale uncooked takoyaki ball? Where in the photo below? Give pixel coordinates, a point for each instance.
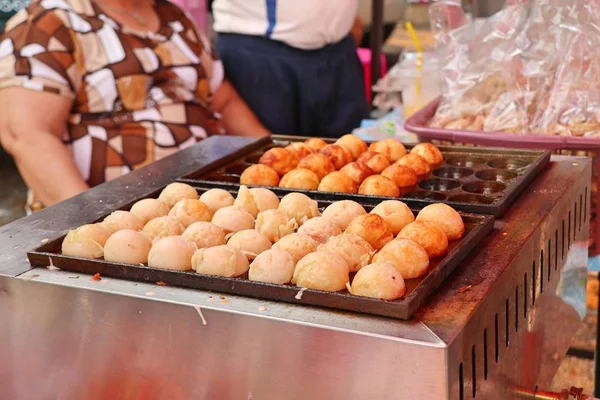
(205, 234)
(297, 245)
(217, 198)
(401, 175)
(338, 154)
(172, 252)
(260, 175)
(377, 185)
(343, 212)
(250, 242)
(275, 224)
(337, 182)
(429, 235)
(300, 149)
(356, 145)
(300, 178)
(272, 266)
(163, 226)
(280, 159)
(245, 201)
(119, 220)
(322, 271)
(256, 200)
(299, 206)
(175, 192)
(429, 152)
(87, 241)
(416, 163)
(221, 261)
(318, 163)
(320, 229)
(446, 218)
(358, 171)
(355, 250)
(407, 256)
(392, 149)
(315, 143)
(372, 228)
(127, 246)
(148, 209)
(188, 211)
(379, 281)
(233, 219)
(375, 161)
(395, 213)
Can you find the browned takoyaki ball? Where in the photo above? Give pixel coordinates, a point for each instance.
(300, 149)
(377, 162)
(356, 145)
(337, 182)
(338, 154)
(300, 178)
(315, 143)
(358, 171)
(429, 235)
(280, 159)
(429, 152)
(317, 163)
(372, 228)
(401, 175)
(416, 163)
(392, 149)
(377, 185)
(259, 174)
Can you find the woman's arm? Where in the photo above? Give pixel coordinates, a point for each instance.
(237, 117)
(31, 125)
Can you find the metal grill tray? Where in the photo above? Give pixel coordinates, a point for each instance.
(477, 227)
(471, 179)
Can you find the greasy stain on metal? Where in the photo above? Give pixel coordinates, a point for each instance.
(464, 289)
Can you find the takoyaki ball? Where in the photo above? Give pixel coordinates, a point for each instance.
(272, 266)
(128, 246)
(250, 242)
(322, 271)
(379, 281)
(300, 149)
(401, 175)
(429, 235)
(375, 161)
(119, 220)
(299, 207)
(224, 261)
(337, 182)
(372, 228)
(256, 200)
(358, 171)
(408, 257)
(395, 213)
(392, 149)
(339, 155)
(260, 175)
(233, 219)
(429, 152)
(174, 192)
(148, 209)
(172, 252)
(318, 163)
(377, 185)
(205, 234)
(217, 198)
(87, 241)
(163, 227)
(446, 218)
(280, 159)
(320, 229)
(356, 145)
(315, 143)
(343, 212)
(297, 245)
(245, 201)
(275, 224)
(300, 178)
(355, 250)
(416, 163)
(188, 211)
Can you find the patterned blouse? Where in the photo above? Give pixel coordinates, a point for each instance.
(137, 96)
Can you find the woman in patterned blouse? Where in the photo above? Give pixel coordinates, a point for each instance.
(91, 89)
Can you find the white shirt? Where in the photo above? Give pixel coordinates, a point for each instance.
(305, 24)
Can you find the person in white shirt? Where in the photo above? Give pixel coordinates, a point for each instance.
(294, 62)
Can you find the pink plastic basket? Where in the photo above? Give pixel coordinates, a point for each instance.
(573, 146)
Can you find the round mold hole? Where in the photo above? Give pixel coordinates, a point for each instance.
(465, 161)
(471, 199)
(253, 158)
(216, 177)
(496, 175)
(426, 195)
(453, 172)
(439, 184)
(236, 169)
(484, 187)
(511, 164)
